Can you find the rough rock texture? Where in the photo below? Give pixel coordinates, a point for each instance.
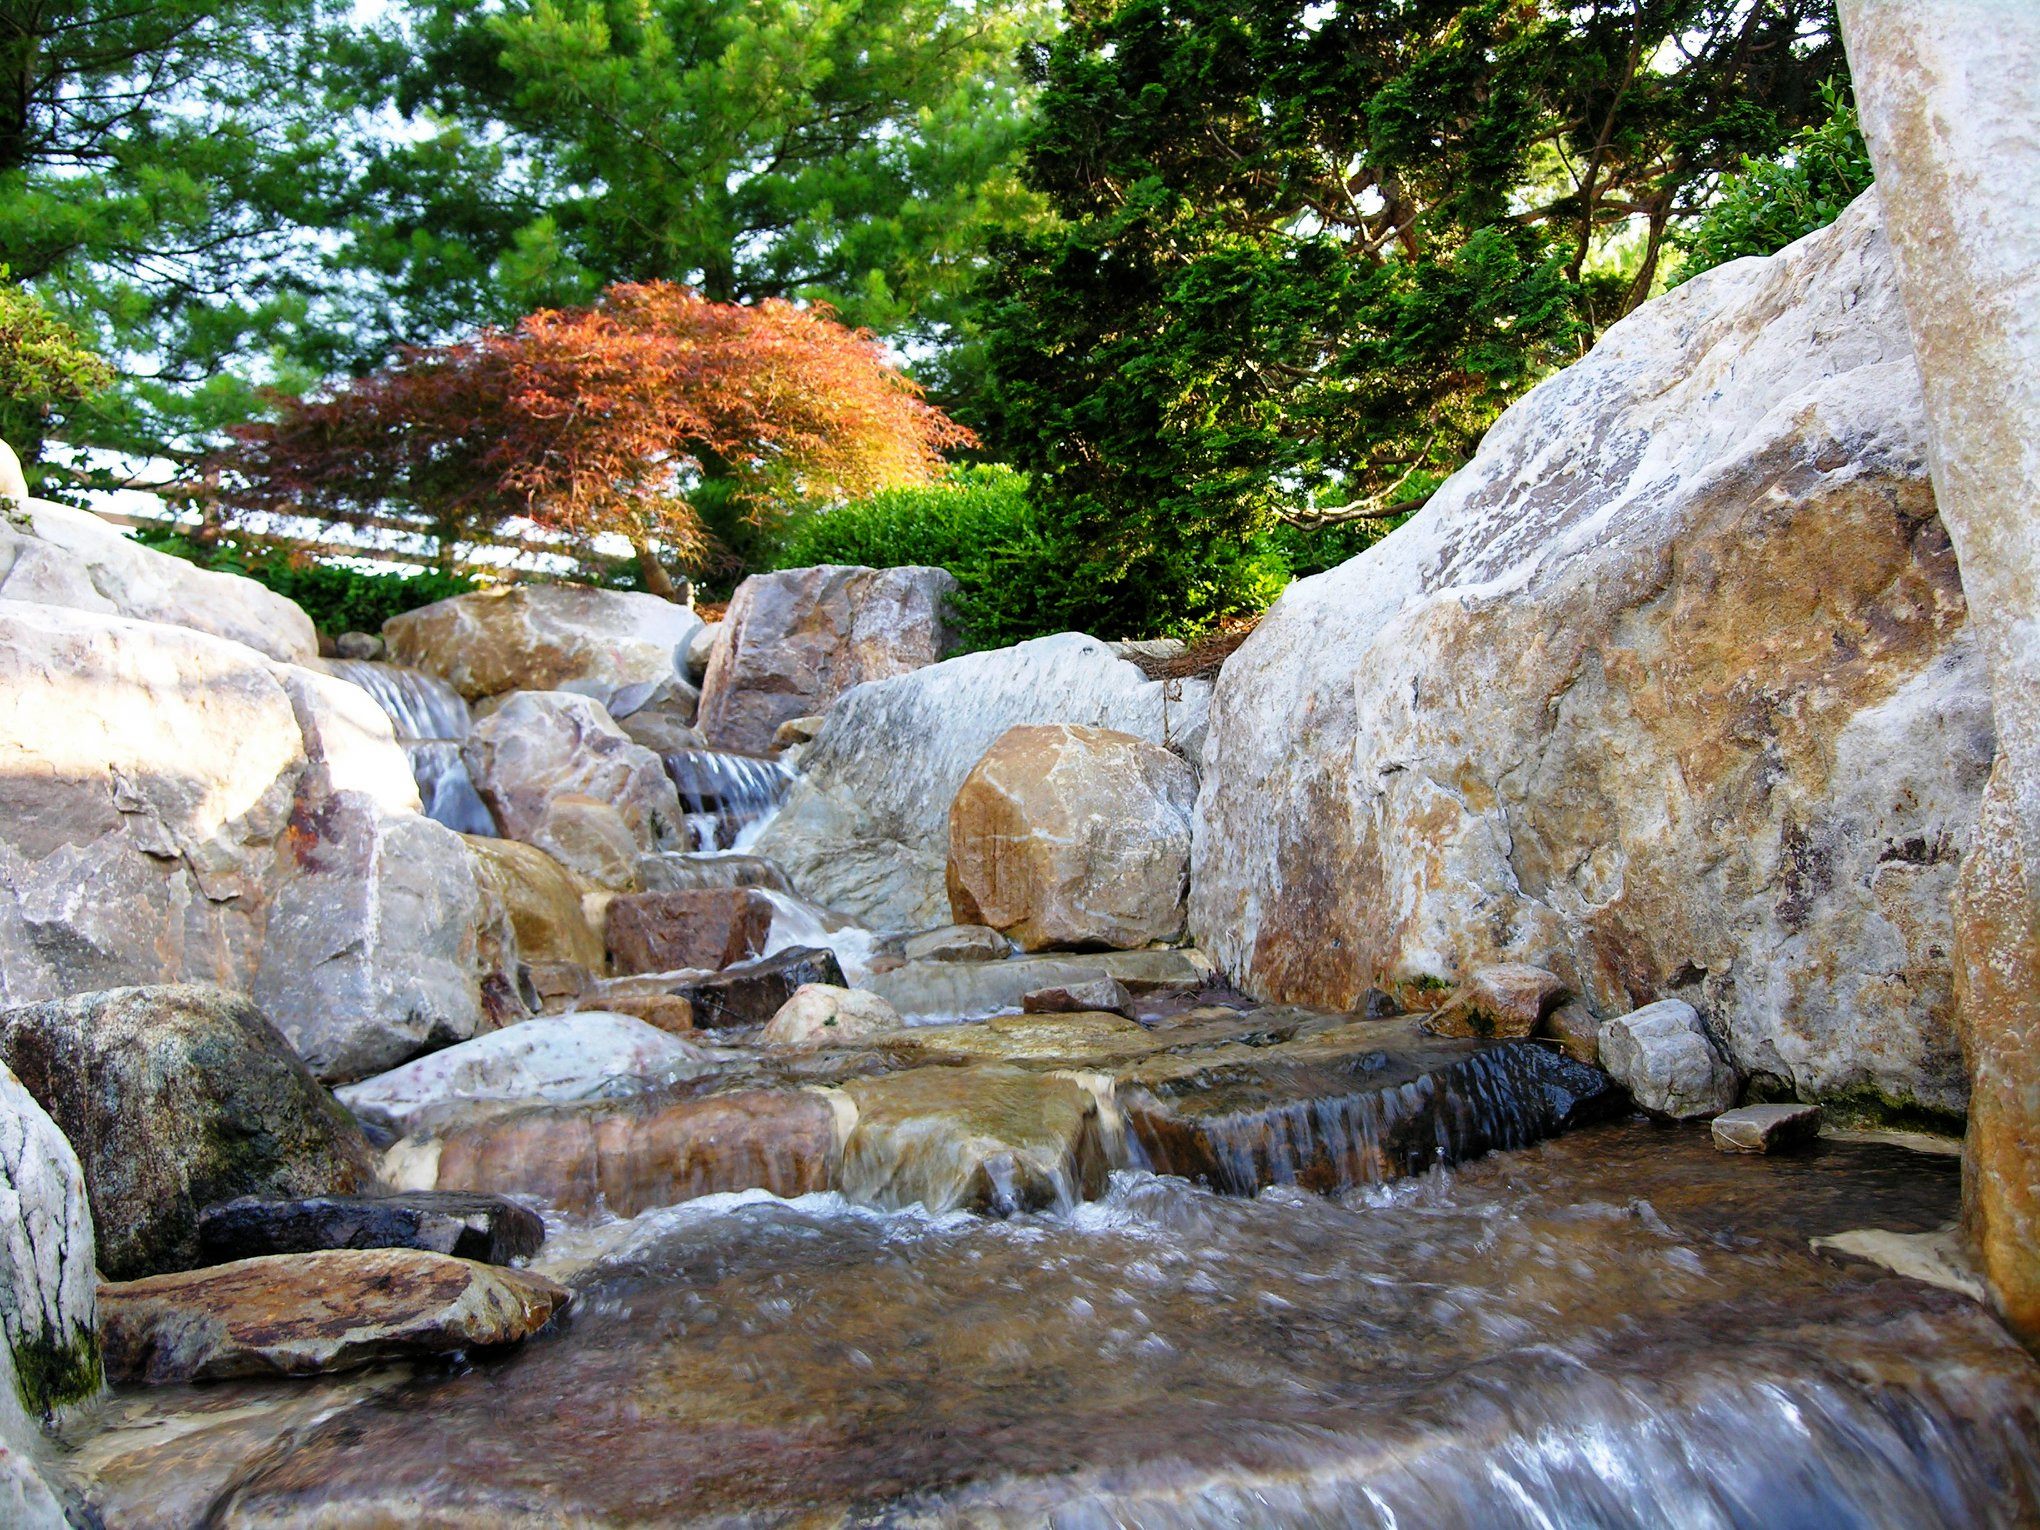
(967, 990)
(1950, 100)
(664, 721)
(612, 645)
(1501, 999)
(865, 830)
(753, 992)
(1105, 996)
(627, 1156)
(177, 807)
(795, 640)
(1670, 689)
(58, 555)
(47, 1278)
(1662, 1055)
(821, 1015)
(177, 1097)
(559, 1057)
(1067, 836)
(485, 1228)
(710, 927)
(558, 773)
(533, 935)
(957, 943)
(302, 1314)
(1765, 1128)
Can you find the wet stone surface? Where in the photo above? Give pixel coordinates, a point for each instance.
(1643, 1337)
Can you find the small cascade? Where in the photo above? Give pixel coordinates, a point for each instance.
(430, 719)
(798, 923)
(727, 798)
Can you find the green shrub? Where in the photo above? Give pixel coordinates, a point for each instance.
(1014, 582)
(1772, 202)
(336, 597)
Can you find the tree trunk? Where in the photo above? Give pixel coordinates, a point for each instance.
(657, 580)
(1949, 92)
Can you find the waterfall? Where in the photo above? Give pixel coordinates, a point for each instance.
(430, 720)
(727, 798)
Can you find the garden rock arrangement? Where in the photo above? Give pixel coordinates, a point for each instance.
(796, 640)
(1670, 691)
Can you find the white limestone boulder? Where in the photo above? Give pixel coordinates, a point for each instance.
(865, 830)
(822, 1015)
(1663, 1056)
(614, 645)
(1670, 690)
(557, 772)
(58, 555)
(795, 640)
(48, 1278)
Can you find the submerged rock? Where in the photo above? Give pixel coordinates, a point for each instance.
(175, 1098)
(957, 943)
(1664, 1057)
(865, 829)
(1765, 1128)
(48, 1308)
(484, 1228)
(301, 1314)
(557, 1057)
(1066, 836)
(627, 1156)
(59, 555)
(795, 640)
(558, 773)
(711, 927)
(546, 637)
(679, 871)
(1670, 689)
(819, 1015)
(986, 1138)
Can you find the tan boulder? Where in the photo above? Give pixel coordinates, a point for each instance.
(1068, 836)
(542, 900)
(822, 1015)
(558, 773)
(1500, 999)
(795, 640)
(1670, 691)
(627, 1156)
(613, 645)
(302, 1314)
(708, 927)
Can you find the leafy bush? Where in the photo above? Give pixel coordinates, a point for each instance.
(336, 597)
(1772, 202)
(43, 366)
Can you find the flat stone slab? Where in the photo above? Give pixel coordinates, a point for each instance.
(485, 1228)
(300, 1314)
(1766, 1128)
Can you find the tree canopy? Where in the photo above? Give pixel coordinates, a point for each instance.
(1305, 252)
(603, 419)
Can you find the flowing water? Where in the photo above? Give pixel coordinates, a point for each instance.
(727, 798)
(1616, 1327)
(431, 720)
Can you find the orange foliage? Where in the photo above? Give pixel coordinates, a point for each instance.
(602, 419)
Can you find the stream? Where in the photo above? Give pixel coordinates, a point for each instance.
(1620, 1326)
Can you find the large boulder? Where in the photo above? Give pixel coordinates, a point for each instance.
(48, 1307)
(57, 555)
(613, 645)
(541, 899)
(708, 927)
(865, 829)
(175, 807)
(558, 773)
(1067, 836)
(176, 1097)
(795, 640)
(1669, 691)
(1662, 1055)
(302, 1314)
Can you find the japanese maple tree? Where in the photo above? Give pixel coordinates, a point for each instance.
(605, 419)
